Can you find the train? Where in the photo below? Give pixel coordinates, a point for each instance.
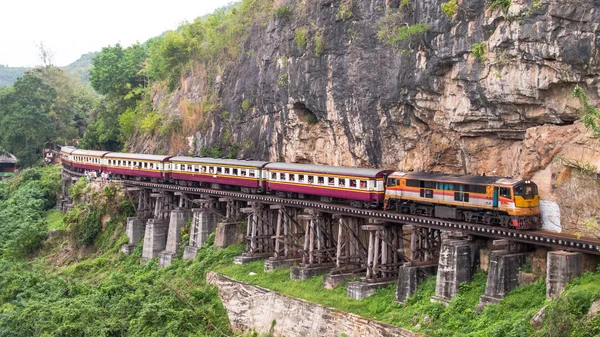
(489, 200)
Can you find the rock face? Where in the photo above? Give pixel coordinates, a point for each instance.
(251, 308)
(426, 104)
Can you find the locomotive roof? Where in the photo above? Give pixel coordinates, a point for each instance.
(134, 156)
(456, 178)
(78, 152)
(341, 170)
(8, 159)
(206, 160)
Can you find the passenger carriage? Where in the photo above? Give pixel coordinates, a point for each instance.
(140, 166)
(89, 160)
(361, 187)
(245, 175)
(484, 199)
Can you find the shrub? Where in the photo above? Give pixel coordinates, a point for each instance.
(300, 38)
(392, 35)
(284, 12)
(450, 8)
(345, 11)
(319, 45)
(500, 4)
(246, 105)
(151, 122)
(478, 50)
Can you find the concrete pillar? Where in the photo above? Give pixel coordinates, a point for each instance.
(177, 220)
(203, 224)
(562, 267)
(155, 239)
(503, 276)
(135, 232)
(228, 233)
(457, 264)
(409, 279)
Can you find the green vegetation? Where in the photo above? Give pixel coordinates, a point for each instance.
(345, 10)
(393, 34)
(450, 8)
(58, 292)
(301, 38)
(284, 13)
(246, 105)
(312, 119)
(319, 44)
(24, 201)
(44, 106)
(500, 4)
(478, 51)
(590, 114)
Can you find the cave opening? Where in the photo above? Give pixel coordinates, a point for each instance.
(304, 113)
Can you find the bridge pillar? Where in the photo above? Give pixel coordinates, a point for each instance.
(409, 279)
(135, 232)
(204, 222)
(352, 251)
(562, 267)
(260, 232)
(384, 257)
(458, 261)
(320, 246)
(229, 230)
(503, 276)
(288, 239)
(177, 220)
(64, 202)
(155, 239)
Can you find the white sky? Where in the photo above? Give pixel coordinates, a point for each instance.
(70, 28)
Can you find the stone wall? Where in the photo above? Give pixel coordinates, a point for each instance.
(254, 308)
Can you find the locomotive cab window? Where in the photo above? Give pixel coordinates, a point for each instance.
(429, 184)
(505, 193)
(391, 182)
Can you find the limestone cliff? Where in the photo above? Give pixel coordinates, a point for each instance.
(342, 96)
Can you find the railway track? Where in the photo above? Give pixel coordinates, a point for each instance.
(536, 237)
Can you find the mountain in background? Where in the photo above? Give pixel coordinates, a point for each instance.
(79, 69)
(8, 75)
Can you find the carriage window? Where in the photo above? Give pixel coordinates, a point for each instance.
(301, 178)
(321, 180)
(282, 176)
(196, 168)
(274, 176)
(151, 165)
(203, 169)
(331, 181)
(243, 173)
(211, 169)
(342, 182)
(226, 170)
(235, 172)
(251, 173)
(219, 169)
(429, 184)
(292, 177)
(352, 182)
(363, 184)
(311, 179)
(183, 167)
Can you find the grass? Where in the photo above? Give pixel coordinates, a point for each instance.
(54, 218)
(508, 318)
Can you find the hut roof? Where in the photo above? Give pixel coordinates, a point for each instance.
(8, 159)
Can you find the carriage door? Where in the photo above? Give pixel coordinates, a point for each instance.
(496, 189)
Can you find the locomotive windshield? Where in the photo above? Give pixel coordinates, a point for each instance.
(526, 190)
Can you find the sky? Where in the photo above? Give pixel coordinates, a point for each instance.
(69, 28)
